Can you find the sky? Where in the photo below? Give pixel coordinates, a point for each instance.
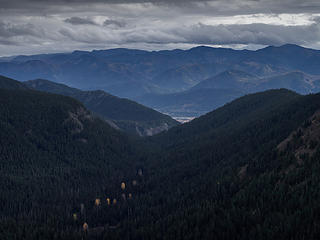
(47, 26)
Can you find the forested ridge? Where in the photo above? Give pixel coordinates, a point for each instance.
(54, 156)
(124, 114)
(248, 170)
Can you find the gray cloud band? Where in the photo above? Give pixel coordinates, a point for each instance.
(79, 21)
(262, 34)
(62, 24)
(223, 7)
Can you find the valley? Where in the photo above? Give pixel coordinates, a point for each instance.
(181, 83)
(159, 120)
(120, 113)
(78, 177)
(238, 159)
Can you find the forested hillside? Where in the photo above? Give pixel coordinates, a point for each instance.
(248, 170)
(121, 113)
(7, 83)
(223, 174)
(56, 159)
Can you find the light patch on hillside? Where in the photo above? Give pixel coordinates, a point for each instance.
(304, 140)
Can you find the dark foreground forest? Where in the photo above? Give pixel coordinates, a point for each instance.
(248, 170)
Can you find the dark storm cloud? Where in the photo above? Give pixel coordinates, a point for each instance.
(79, 21)
(202, 34)
(218, 6)
(56, 25)
(8, 30)
(6, 42)
(13, 34)
(114, 23)
(261, 34)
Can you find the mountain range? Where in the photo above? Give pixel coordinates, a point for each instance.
(145, 76)
(220, 89)
(248, 170)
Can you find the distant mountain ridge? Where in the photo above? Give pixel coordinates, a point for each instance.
(235, 79)
(157, 71)
(139, 74)
(121, 113)
(224, 87)
(230, 79)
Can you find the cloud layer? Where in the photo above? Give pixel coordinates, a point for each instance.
(79, 21)
(34, 26)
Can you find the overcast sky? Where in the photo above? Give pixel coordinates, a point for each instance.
(46, 26)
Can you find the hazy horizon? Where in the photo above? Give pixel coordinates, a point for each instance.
(153, 50)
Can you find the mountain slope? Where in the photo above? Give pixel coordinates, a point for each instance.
(191, 103)
(184, 77)
(234, 79)
(56, 158)
(224, 87)
(248, 170)
(231, 79)
(244, 109)
(228, 178)
(7, 83)
(125, 114)
(290, 56)
(157, 71)
(296, 81)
